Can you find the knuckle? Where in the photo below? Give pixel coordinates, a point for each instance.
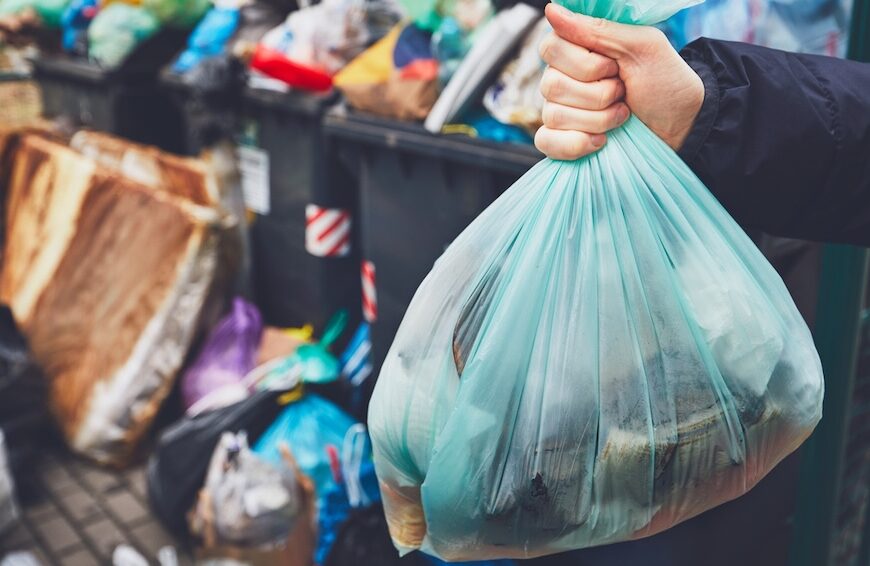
(546, 49)
(549, 115)
(605, 96)
(551, 84)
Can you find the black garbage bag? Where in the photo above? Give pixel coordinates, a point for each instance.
(177, 468)
(364, 539)
(24, 416)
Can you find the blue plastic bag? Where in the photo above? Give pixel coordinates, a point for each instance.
(209, 38)
(602, 354)
(308, 426)
(74, 24)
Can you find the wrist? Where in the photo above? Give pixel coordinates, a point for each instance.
(692, 100)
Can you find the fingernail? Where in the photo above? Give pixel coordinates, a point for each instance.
(622, 114)
(598, 140)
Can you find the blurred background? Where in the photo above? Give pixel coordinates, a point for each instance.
(214, 214)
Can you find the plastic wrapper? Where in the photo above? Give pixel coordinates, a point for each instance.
(108, 279)
(396, 77)
(75, 21)
(307, 426)
(355, 489)
(227, 356)
(324, 37)
(248, 501)
(177, 13)
(209, 38)
(117, 30)
(179, 464)
(600, 355)
(493, 45)
(515, 97)
(459, 22)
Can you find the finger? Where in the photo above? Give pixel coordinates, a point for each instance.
(567, 145)
(561, 117)
(602, 36)
(576, 61)
(562, 89)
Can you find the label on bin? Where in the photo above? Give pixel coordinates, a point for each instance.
(254, 170)
(327, 231)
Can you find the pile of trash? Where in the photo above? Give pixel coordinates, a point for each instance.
(261, 467)
(406, 60)
(105, 32)
(112, 253)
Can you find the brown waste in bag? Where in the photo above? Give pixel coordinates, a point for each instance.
(108, 278)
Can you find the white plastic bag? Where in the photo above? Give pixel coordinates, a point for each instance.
(248, 501)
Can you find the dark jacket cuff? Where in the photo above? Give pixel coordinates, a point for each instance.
(709, 109)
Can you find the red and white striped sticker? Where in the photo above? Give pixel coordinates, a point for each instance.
(369, 294)
(327, 231)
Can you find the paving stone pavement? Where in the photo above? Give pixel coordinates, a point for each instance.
(81, 512)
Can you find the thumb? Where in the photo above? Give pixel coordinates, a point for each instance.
(595, 34)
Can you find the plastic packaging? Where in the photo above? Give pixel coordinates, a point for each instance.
(177, 13)
(515, 97)
(307, 426)
(226, 358)
(116, 31)
(459, 23)
(178, 465)
(209, 38)
(493, 44)
(396, 77)
(600, 355)
(321, 39)
(248, 502)
(75, 21)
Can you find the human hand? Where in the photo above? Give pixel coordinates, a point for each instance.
(601, 71)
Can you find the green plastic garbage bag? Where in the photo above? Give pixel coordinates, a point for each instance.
(117, 30)
(178, 13)
(600, 355)
(49, 11)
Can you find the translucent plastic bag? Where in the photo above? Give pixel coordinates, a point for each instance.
(117, 30)
(246, 500)
(228, 355)
(307, 426)
(600, 355)
(326, 36)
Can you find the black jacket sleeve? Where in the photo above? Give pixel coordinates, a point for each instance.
(783, 140)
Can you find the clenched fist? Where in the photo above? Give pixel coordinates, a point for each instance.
(599, 73)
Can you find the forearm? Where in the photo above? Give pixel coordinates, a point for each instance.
(783, 140)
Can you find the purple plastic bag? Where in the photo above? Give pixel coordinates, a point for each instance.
(228, 354)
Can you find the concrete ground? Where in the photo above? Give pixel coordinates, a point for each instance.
(81, 512)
